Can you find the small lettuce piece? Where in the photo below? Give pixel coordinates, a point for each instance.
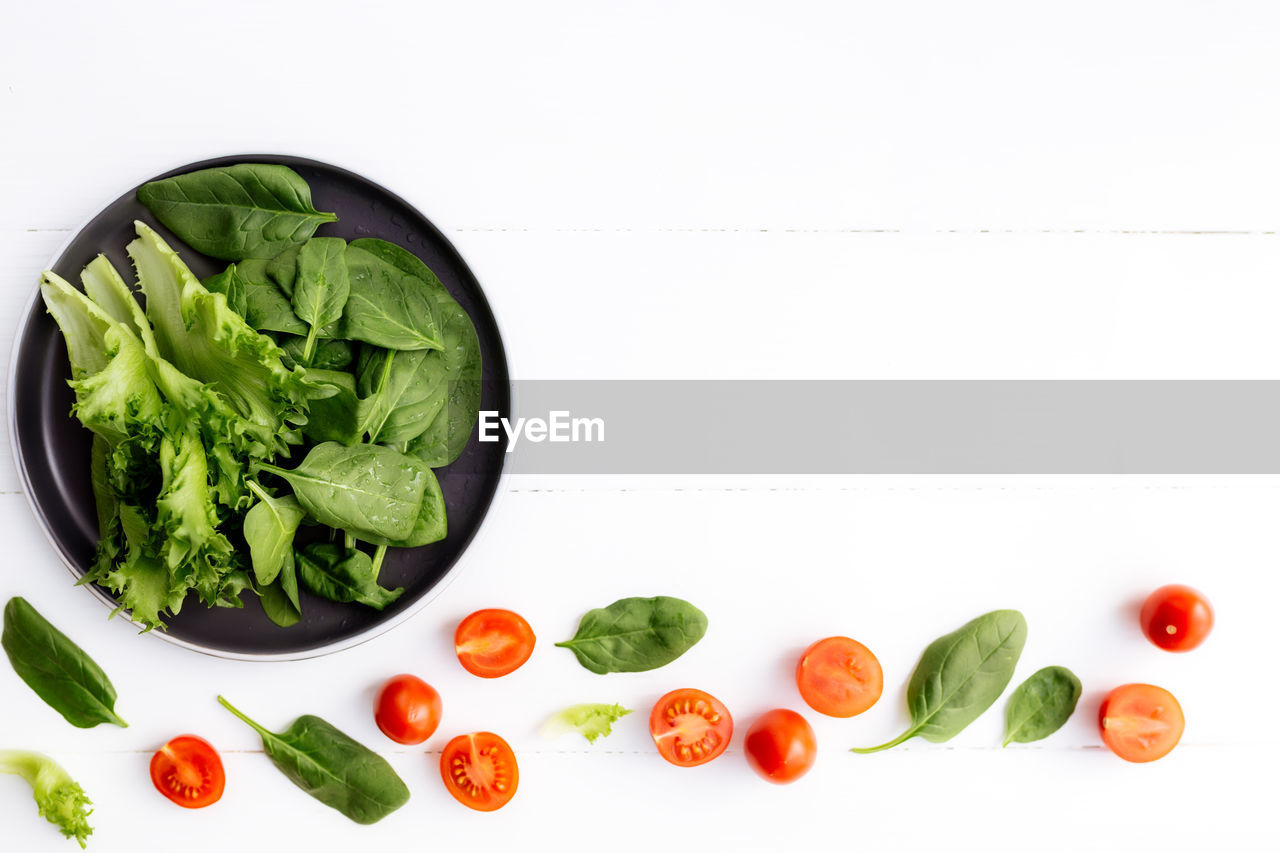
(591, 720)
(60, 798)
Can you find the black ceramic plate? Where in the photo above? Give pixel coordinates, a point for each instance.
(52, 449)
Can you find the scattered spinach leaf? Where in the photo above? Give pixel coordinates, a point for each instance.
(337, 574)
(249, 210)
(329, 765)
(960, 675)
(59, 671)
(636, 634)
(1041, 705)
(367, 489)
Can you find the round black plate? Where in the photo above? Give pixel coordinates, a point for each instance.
(52, 449)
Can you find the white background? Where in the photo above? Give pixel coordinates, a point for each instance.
(838, 190)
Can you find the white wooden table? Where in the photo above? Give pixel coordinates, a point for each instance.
(935, 190)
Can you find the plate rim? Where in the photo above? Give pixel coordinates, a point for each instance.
(24, 477)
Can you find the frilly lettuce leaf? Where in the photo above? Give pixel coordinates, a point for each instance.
(59, 798)
(591, 721)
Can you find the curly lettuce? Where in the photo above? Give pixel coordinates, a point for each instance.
(59, 798)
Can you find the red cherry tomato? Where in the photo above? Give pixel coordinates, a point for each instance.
(690, 727)
(408, 709)
(1176, 618)
(839, 677)
(189, 772)
(491, 643)
(480, 771)
(781, 746)
(1140, 722)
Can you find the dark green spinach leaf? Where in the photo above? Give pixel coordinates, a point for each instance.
(449, 431)
(368, 489)
(1041, 705)
(431, 524)
(59, 671)
(269, 528)
(401, 393)
(249, 210)
(390, 306)
(320, 290)
(340, 575)
(636, 634)
(960, 675)
(283, 269)
(330, 354)
(329, 765)
(333, 418)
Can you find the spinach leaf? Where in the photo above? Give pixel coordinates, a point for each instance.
(321, 289)
(332, 767)
(448, 433)
(249, 210)
(59, 671)
(636, 634)
(960, 675)
(269, 528)
(367, 489)
(330, 354)
(334, 573)
(255, 298)
(390, 306)
(401, 393)
(1041, 705)
(431, 524)
(333, 418)
(280, 605)
(283, 269)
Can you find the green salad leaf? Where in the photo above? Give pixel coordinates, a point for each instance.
(249, 210)
(59, 798)
(590, 720)
(1041, 705)
(636, 634)
(60, 672)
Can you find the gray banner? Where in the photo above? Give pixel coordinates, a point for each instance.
(890, 427)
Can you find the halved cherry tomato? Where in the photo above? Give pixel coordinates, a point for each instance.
(780, 746)
(1140, 722)
(839, 677)
(491, 643)
(408, 709)
(188, 771)
(690, 727)
(1176, 618)
(480, 771)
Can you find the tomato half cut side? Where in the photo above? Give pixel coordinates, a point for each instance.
(1140, 722)
(839, 677)
(493, 643)
(480, 771)
(407, 709)
(189, 772)
(690, 727)
(1176, 618)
